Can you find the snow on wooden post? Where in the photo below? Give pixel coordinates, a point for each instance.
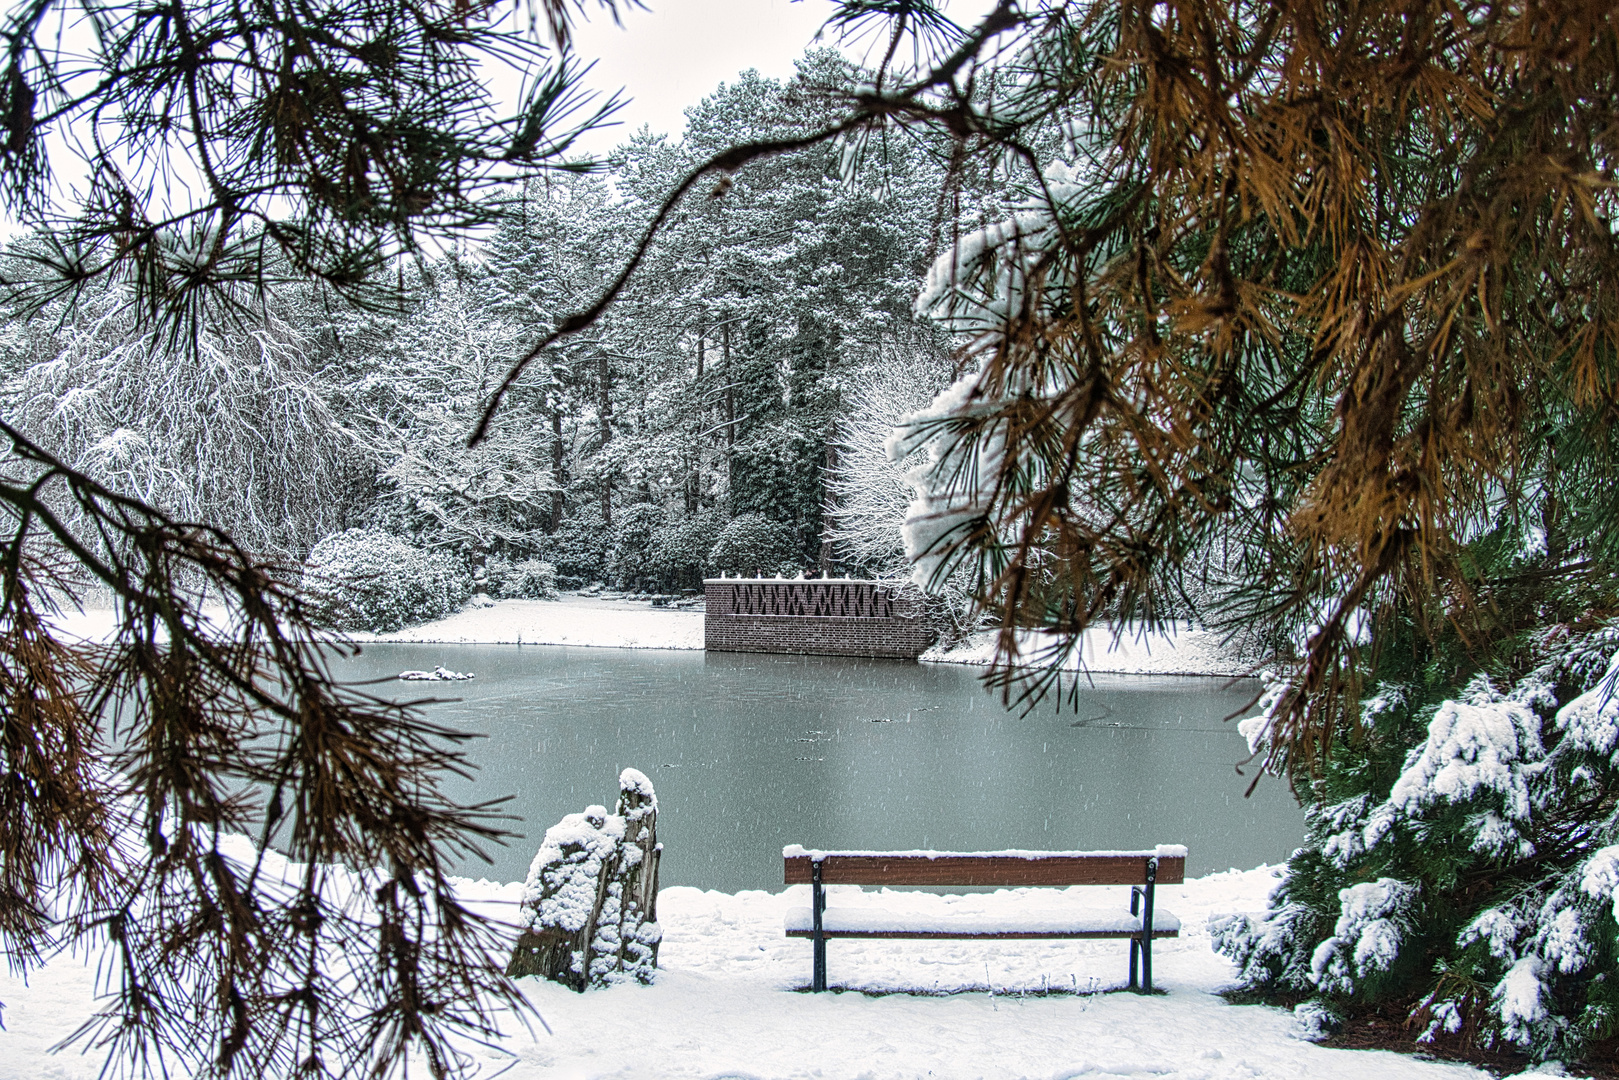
(639, 933)
(590, 903)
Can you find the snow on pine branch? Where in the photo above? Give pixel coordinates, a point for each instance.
(1472, 747)
(975, 289)
(962, 466)
(1372, 924)
(977, 286)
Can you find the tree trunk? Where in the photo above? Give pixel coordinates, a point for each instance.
(604, 407)
(605, 414)
(639, 934)
(557, 477)
(730, 401)
(694, 480)
(828, 507)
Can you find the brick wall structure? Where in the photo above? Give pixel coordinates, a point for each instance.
(828, 616)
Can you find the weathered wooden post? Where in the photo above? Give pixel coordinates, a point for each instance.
(590, 903)
(639, 933)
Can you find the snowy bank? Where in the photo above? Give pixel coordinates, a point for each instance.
(581, 620)
(1177, 650)
(724, 1005)
(572, 620)
(635, 624)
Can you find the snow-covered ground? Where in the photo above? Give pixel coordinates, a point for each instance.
(635, 624)
(724, 1005)
(1181, 650)
(572, 620)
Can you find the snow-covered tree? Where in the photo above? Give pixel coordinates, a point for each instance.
(236, 432)
(410, 387)
(872, 491)
(1462, 861)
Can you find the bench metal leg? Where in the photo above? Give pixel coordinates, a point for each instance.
(1141, 898)
(817, 905)
(1135, 942)
(1146, 927)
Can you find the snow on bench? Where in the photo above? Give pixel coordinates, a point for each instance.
(1048, 923)
(1162, 851)
(1005, 915)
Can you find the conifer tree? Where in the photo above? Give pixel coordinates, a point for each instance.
(222, 150)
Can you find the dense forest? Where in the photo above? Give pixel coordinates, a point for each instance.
(727, 415)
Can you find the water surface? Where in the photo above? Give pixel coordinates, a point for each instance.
(749, 752)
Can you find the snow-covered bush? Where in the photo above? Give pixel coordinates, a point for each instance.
(679, 554)
(653, 550)
(630, 564)
(529, 579)
(1462, 860)
(580, 548)
(367, 580)
(752, 544)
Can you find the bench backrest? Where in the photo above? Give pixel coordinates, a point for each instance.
(1003, 869)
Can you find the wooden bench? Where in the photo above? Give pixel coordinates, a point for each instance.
(1000, 869)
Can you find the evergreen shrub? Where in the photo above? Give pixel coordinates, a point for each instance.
(370, 581)
(752, 544)
(679, 551)
(526, 579)
(1462, 857)
(630, 564)
(579, 548)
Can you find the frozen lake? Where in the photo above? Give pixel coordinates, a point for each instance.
(750, 752)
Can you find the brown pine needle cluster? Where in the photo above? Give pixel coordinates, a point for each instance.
(126, 767)
(1325, 294)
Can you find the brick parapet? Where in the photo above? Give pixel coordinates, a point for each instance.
(836, 617)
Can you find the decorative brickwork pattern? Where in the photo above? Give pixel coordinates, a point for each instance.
(835, 617)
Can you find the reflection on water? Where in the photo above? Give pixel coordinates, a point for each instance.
(750, 752)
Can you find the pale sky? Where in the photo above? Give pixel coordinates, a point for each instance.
(670, 57)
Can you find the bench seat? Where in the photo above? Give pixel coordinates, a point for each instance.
(1018, 914)
(854, 922)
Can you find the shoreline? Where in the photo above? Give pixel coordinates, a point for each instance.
(598, 622)
(611, 622)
